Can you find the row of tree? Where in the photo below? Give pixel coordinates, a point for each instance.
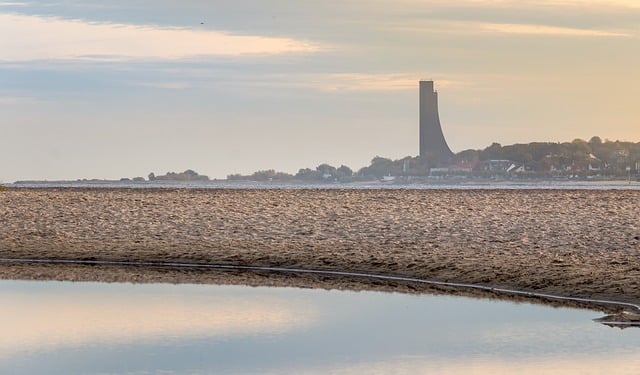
(323, 172)
(599, 157)
(607, 151)
(188, 175)
(607, 157)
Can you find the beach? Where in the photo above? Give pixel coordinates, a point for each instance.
(582, 243)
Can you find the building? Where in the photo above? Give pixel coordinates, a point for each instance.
(432, 142)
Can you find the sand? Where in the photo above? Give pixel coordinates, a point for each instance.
(581, 243)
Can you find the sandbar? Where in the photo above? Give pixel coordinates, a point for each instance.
(582, 243)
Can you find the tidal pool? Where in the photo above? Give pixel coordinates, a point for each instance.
(95, 328)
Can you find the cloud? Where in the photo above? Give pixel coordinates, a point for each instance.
(346, 82)
(326, 82)
(27, 37)
(524, 29)
(374, 82)
(582, 3)
(536, 3)
(167, 85)
(359, 81)
(476, 28)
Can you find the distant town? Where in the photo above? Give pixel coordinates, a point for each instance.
(578, 159)
(595, 159)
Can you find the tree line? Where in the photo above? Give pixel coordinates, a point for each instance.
(608, 158)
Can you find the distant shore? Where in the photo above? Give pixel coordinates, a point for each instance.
(400, 183)
(582, 243)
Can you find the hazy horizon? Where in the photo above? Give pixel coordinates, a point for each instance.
(119, 89)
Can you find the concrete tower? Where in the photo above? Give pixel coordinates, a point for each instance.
(432, 142)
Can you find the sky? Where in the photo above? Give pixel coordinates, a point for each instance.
(95, 89)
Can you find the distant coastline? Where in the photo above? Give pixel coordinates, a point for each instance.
(578, 160)
(416, 184)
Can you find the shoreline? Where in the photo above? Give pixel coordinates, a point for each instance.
(429, 183)
(572, 243)
(324, 279)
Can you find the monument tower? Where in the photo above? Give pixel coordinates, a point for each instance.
(432, 142)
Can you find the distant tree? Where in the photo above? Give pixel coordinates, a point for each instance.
(236, 177)
(188, 175)
(378, 168)
(270, 174)
(517, 152)
(308, 174)
(578, 157)
(327, 171)
(344, 171)
(263, 175)
(420, 166)
(493, 152)
(580, 149)
(595, 140)
(467, 158)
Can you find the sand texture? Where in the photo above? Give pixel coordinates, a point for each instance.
(570, 242)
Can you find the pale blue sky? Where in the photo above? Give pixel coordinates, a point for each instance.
(93, 89)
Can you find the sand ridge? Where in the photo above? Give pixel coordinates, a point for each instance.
(571, 242)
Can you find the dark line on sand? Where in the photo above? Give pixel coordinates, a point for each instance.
(325, 272)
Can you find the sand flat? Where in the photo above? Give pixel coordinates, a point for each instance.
(582, 243)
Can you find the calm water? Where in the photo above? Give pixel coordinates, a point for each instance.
(433, 184)
(93, 328)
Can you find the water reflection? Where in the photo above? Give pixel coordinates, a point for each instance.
(53, 316)
(69, 328)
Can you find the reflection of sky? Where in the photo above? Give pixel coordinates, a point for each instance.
(75, 318)
(210, 85)
(122, 328)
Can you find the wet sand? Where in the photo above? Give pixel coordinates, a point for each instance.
(581, 243)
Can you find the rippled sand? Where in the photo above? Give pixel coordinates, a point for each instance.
(579, 243)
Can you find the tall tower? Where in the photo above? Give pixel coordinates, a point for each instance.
(432, 142)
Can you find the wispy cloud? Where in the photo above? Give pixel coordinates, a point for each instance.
(327, 82)
(524, 29)
(581, 3)
(479, 28)
(374, 82)
(348, 82)
(361, 81)
(29, 37)
(527, 3)
(167, 85)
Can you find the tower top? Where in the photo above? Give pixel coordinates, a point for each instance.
(427, 85)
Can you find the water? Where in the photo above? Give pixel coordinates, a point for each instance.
(93, 328)
(421, 184)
